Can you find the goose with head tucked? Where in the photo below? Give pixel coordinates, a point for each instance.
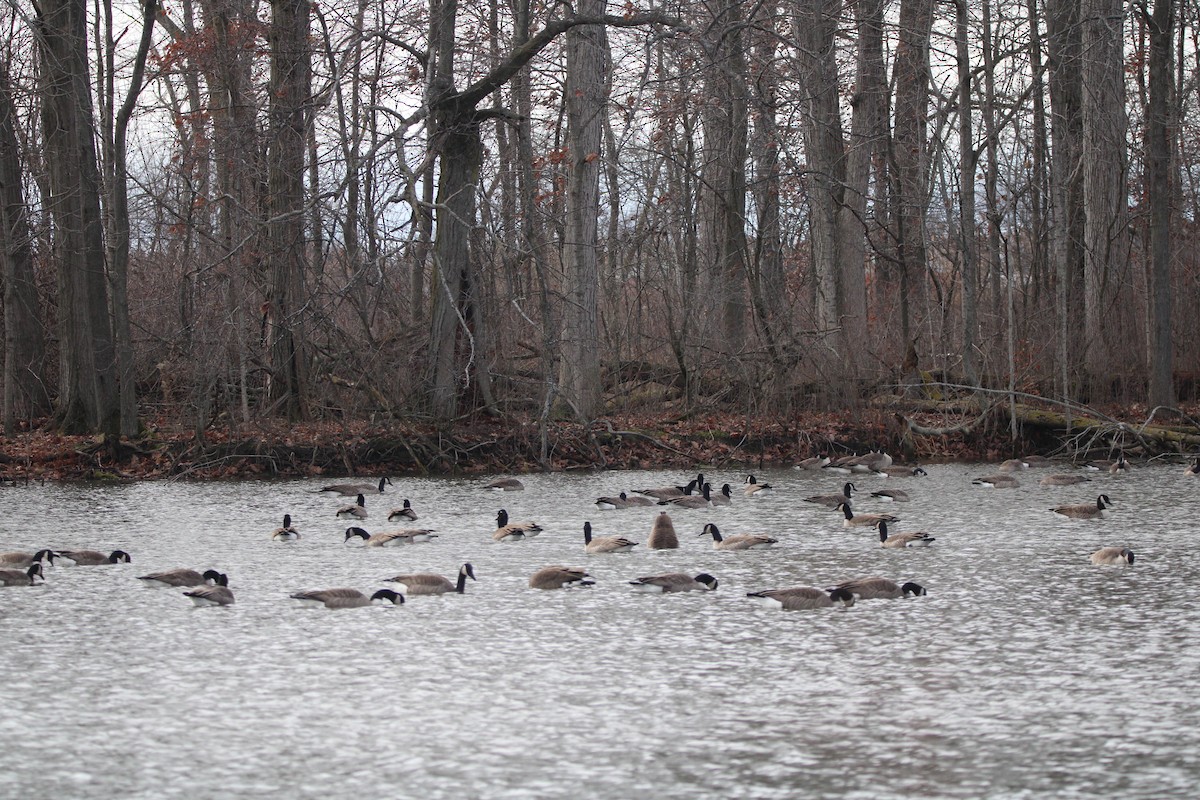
(1097, 510)
(1112, 556)
(507, 531)
(605, 544)
(755, 489)
(1060, 479)
(891, 495)
(210, 596)
(353, 489)
(662, 534)
(285, 532)
(852, 520)
(813, 462)
(93, 558)
(390, 538)
(356, 511)
(347, 598)
(506, 485)
(907, 539)
(1013, 465)
(803, 598)
(842, 465)
(833, 500)
(902, 472)
(674, 582)
(431, 583)
(404, 512)
(20, 559)
(999, 481)
(881, 589)
(739, 541)
(558, 577)
(27, 577)
(185, 578)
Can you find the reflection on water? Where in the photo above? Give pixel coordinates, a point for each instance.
(1025, 672)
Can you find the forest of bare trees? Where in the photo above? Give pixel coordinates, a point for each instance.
(226, 209)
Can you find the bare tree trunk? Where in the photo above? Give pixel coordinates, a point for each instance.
(586, 45)
(1159, 195)
(25, 391)
(967, 156)
(88, 396)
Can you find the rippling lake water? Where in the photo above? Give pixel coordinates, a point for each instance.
(1025, 672)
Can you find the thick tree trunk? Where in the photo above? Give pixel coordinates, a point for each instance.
(967, 157)
(25, 392)
(1159, 195)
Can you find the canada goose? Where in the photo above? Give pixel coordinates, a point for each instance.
(605, 544)
(673, 582)
(755, 489)
(1119, 467)
(506, 485)
(622, 501)
(211, 596)
(352, 489)
(841, 465)
(1013, 465)
(285, 532)
(1097, 510)
(430, 583)
(891, 495)
(559, 578)
(514, 531)
(1112, 555)
(813, 462)
(725, 496)
(832, 500)
(903, 539)
(702, 500)
(1193, 469)
(740, 541)
(997, 482)
(853, 520)
(406, 512)
(667, 492)
(881, 589)
(22, 559)
(662, 535)
(347, 598)
(1036, 461)
(1118, 464)
(903, 472)
(356, 511)
(93, 558)
(802, 598)
(185, 578)
(16, 577)
(390, 538)
(875, 461)
(1063, 480)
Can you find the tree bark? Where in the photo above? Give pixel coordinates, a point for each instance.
(1159, 195)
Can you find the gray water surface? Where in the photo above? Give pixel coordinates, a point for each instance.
(1026, 671)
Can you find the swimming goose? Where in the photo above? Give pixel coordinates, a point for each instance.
(833, 500)
(1119, 467)
(1112, 555)
(558, 577)
(881, 589)
(997, 482)
(22, 559)
(390, 538)
(431, 583)
(185, 577)
(1097, 510)
(16, 577)
(610, 503)
(1036, 461)
(903, 539)
(875, 461)
(1106, 465)
(406, 512)
(662, 535)
(891, 495)
(667, 492)
(1013, 465)
(514, 531)
(802, 598)
(853, 520)
(841, 465)
(605, 544)
(702, 500)
(211, 596)
(352, 489)
(740, 541)
(505, 485)
(347, 598)
(1193, 469)
(755, 489)
(356, 511)
(1063, 480)
(673, 582)
(813, 462)
(93, 558)
(903, 472)
(724, 497)
(285, 532)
